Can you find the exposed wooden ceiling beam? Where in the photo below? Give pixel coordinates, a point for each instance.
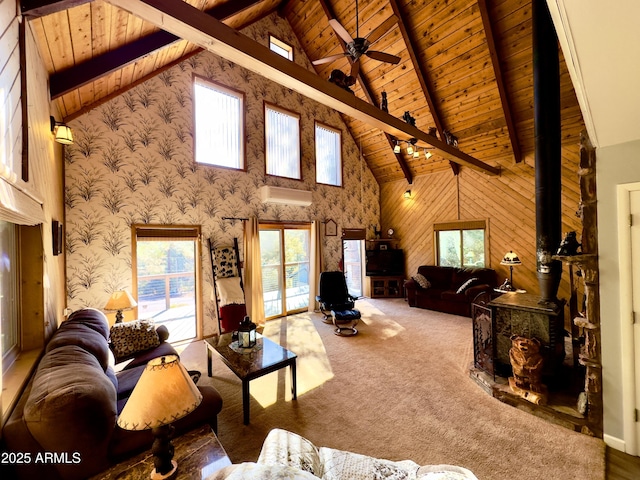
(328, 10)
(61, 83)
(40, 8)
(193, 25)
(495, 60)
(422, 74)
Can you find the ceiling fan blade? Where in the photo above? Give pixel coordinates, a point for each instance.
(383, 57)
(330, 58)
(340, 30)
(381, 29)
(355, 69)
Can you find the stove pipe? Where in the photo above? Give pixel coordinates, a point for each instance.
(548, 158)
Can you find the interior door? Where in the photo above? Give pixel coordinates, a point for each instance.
(634, 205)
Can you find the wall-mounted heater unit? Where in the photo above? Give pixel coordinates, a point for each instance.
(287, 196)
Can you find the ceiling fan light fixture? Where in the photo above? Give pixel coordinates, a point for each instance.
(397, 148)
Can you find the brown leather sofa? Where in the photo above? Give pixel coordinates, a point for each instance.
(64, 425)
(446, 292)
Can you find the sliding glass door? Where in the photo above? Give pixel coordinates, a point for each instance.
(285, 268)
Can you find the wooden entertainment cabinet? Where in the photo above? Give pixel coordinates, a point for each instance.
(387, 286)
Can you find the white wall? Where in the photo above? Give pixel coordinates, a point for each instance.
(618, 164)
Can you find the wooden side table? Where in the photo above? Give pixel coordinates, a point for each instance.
(198, 453)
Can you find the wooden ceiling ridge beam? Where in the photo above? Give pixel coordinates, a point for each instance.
(366, 88)
(421, 73)
(61, 83)
(502, 89)
(199, 28)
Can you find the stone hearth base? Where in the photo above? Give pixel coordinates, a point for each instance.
(561, 407)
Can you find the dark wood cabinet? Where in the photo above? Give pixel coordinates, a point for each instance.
(387, 286)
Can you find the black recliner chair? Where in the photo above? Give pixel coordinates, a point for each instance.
(337, 305)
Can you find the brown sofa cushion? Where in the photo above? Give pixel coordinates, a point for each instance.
(72, 407)
(85, 338)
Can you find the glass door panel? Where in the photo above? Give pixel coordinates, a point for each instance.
(166, 285)
(271, 254)
(352, 254)
(296, 253)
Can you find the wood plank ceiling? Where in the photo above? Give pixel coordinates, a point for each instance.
(465, 68)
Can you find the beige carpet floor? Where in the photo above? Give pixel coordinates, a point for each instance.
(400, 389)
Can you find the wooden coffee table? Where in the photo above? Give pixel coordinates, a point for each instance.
(247, 364)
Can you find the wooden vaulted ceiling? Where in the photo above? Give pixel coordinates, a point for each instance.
(465, 68)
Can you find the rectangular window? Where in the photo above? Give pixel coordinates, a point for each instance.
(282, 136)
(328, 155)
(219, 125)
(460, 244)
(9, 281)
(280, 47)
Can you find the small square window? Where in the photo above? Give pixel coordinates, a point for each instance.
(280, 47)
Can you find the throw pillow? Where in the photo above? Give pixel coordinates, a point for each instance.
(131, 337)
(462, 288)
(422, 281)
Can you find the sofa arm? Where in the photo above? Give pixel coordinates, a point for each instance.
(473, 292)
(411, 284)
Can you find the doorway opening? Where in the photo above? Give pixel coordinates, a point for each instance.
(166, 266)
(352, 255)
(285, 253)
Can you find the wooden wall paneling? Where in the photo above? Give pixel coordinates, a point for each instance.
(59, 40)
(119, 20)
(10, 101)
(100, 87)
(86, 94)
(114, 81)
(72, 102)
(38, 29)
(79, 19)
(100, 27)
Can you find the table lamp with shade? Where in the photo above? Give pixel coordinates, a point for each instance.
(119, 301)
(510, 259)
(164, 393)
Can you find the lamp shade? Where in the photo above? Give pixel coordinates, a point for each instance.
(64, 135)
(121, 300)
(164, 393)
(510, 258)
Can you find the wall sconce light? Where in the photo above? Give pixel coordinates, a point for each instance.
(427, 154)
(62, 132)
(407, 194)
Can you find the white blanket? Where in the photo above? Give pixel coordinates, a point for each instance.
(229, 291)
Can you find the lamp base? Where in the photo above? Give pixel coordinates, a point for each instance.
(165, 476)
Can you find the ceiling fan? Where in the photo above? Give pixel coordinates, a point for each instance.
(356, 47)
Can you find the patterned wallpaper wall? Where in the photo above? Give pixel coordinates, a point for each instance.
(132, 162)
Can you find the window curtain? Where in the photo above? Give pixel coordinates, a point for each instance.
(315, 263)
(253, 271)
